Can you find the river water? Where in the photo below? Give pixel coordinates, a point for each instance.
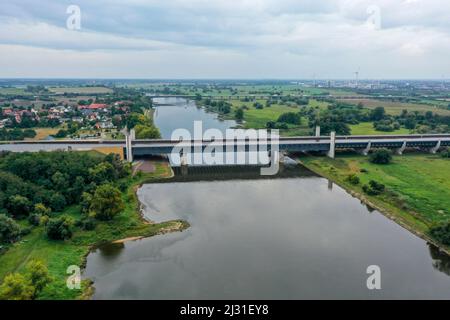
(295, 236)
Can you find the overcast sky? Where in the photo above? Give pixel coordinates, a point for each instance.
(226, 39)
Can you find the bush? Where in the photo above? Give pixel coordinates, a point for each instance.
(36, 271)
(16, 287)
(445, 153)
(373, 188)
(34, 219)
(381, 156)
(59, 228)
(25, 286)
(86, 223)
(9, 229)
(353, 179)
(441, 232)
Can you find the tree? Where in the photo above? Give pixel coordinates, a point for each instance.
(19, 205)
(102, 172)
(290, 117)
(9, 229)
(41, 210)
(381, 156)
(37, 273)
(16, 287)
(59, 228)
(57, 202)
(147, 132)
(377, 114)
(239, 114)
(106, 202)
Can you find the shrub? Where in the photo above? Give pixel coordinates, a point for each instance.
(25, 286)
(441, 232)
(86, 223)
(445, 153)
(36, 271)
(16, 287)
(381, 156)
(34, 219)
(373, 188)
(9, 229)
(59, 228)
(353, 179)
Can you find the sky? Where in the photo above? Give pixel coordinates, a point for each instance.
(226, 39)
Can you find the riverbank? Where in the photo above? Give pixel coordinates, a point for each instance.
(58, 255)
(417, 192)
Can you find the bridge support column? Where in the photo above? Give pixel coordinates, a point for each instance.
(436, 148)
(367, 149)
(280, 160)
(332, 151)
(317, 131)
(129, 137)
(183, 165)
(401, 149)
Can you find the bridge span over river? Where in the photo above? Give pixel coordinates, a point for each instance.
(328, 144)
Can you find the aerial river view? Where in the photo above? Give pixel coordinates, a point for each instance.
(291, 236)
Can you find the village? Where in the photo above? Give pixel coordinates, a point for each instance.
(80, 117)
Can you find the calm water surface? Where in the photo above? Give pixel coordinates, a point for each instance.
(285, 238)
(289, 238)
(181, 113)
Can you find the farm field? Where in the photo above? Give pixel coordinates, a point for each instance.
(81, 90)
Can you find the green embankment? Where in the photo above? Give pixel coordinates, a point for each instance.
(418, 186)
(58, 255)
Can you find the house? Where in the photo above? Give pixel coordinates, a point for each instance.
(95, 106)
(4, 123)
(77, 119)
(106, 125)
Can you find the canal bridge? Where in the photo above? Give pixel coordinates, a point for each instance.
(132, 147)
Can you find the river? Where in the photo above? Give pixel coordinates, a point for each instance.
(295, 236)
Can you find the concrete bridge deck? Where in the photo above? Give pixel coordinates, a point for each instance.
(289, 144)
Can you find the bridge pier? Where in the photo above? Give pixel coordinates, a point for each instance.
(436, 148)
(129, 137)
(367, 149)
(317, 131)
(184, 165)
(400, 150)
(332, 151)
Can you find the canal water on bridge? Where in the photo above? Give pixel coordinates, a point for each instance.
(289, 237)
(176, 113)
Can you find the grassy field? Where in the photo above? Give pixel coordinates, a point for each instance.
(418, 186)
(366, 128)
(81, 90)
(258, 118)
(395, 108)
(42, 133)
(13, 91)
(60, 254)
